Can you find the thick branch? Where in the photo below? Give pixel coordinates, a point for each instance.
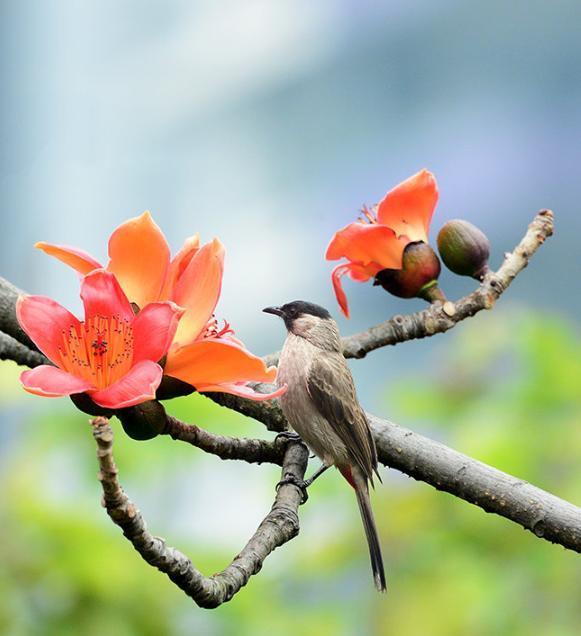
(279, 526)
(253, 451)
(11, 349)
(8, 322)
(547, 516)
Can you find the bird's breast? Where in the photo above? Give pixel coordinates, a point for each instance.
(297, 405)
(293, 370)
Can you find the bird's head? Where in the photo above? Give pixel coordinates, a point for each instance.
(309, 321)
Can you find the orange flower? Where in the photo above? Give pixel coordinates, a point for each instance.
(201, 354)
(112, 356)
(402, 217)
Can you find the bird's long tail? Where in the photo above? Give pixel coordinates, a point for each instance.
(359, 484)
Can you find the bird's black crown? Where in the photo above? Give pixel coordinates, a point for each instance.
(299, 307)
(291, 311)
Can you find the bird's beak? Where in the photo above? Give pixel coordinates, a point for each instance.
(277, 311)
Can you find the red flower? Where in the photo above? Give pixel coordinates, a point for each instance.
(402, 217)
(112, 356)
(201, 354)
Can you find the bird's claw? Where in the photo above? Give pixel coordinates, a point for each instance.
(288, 435)
(299, 483)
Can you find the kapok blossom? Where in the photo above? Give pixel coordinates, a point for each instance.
(201, 354)
(112, 355)
(378, 241)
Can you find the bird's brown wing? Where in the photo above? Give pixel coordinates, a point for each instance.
(331, 388)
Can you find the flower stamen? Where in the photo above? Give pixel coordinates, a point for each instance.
(212, 330)
(100, 352)
(369, 215)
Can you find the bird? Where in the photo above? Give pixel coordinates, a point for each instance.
(321, 406)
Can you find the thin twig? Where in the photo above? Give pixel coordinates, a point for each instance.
(280, 525)
(269, 413)
(253, 451)
(438, 318)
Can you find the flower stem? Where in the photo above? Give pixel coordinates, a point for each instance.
(432, 293)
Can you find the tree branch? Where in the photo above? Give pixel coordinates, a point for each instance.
(438, 318)
(547, 516)
(8, 321)
(11, 349)
(536, 510)
(253, 451)
(280, 525)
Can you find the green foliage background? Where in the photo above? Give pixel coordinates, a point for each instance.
(504, 389)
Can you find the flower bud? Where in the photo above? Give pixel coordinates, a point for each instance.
(84, 403)
(170, 388)
(417, 277)
(143, 421)
(464, 249)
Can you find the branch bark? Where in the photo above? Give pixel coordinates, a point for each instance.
(280, 525)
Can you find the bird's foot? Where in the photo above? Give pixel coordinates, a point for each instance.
(288, 435)
(299, 483)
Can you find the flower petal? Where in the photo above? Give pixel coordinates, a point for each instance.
(198, 290)
(242, 390)
(102, 296)
(138, 385)
(178, 264)
(213, 361)
(338, 272)
(139, 257)
(44, 321)
(408, 208)
(52, 382)
(154, 328)
(367, 243)
(356, 272)
(77, 259)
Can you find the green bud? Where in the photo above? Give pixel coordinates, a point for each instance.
(464, 249)
(418, 276)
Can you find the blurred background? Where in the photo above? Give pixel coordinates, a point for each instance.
(269, 124)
